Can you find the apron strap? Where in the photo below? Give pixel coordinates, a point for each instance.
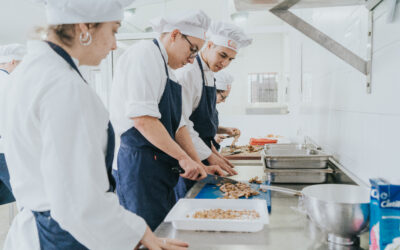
(201, 69)
(165, 64)
(61, 52)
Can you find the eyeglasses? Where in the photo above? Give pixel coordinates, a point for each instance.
(193, 48)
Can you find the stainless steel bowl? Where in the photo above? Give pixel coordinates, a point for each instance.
(340, 210)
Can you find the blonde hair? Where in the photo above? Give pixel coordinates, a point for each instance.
(65, 32)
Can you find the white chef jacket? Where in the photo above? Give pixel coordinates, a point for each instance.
(192, 85)
(3, 79)
(139, 83)
(55, 142)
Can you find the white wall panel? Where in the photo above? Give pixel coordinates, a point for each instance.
(362, 130)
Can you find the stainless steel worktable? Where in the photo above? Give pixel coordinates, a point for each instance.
(287, 229)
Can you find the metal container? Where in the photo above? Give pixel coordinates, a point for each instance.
(288, 146)
(291, 156)
(338, 209)
(306, 176)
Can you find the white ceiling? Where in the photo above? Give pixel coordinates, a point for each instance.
(19, 18)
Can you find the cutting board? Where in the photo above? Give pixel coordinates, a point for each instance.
(211, 191)
(241, 156)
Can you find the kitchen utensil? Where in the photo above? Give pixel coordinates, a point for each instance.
(181, 215)
(340, 210)
(238, 151)
(261, 141)
(215, 179)
(229, 136)
(178, 169)
(295, 156)
(313, 176)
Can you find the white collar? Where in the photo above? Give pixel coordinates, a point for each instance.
(35, 46)
(203, 63)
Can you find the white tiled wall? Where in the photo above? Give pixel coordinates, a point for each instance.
(331, 104)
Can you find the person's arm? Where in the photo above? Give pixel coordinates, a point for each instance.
(219, 138)
(228, 131)
(183, 139)
(190, 101)
(154, 131)
(215, 151)
(188, 80)
(141, 90)
(74, 172)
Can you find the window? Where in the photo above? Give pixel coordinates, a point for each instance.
(263, 87)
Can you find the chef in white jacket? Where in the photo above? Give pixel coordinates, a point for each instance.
(10, 56)
(59, 142)
(223, 84)
(146, 109)
(199, 93)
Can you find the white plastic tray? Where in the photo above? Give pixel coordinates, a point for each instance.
(178, 215)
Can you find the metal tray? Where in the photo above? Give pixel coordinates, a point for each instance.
(298, 175)
(288, 146)
(294, 156)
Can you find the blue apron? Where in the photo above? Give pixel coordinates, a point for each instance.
(216, 121)
(6, 195)
(51, 235)
(205, 121)
(145, 179)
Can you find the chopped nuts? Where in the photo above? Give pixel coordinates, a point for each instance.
(246, 148)
(226, 214)
(235, 191)
(255, 180)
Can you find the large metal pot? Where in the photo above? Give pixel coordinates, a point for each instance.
(340, 210)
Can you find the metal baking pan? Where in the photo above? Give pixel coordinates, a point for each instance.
(294, 157)
(288, 146)
(308, 176)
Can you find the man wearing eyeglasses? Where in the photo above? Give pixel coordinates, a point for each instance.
(146, 111)
(223, 83)
(199, 94)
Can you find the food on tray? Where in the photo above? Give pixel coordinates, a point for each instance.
(262, 190)
(235, 139)
(226, 214)
(270, 136)
(261, 141)
(247, 149)
(255, 180)
(235, 191)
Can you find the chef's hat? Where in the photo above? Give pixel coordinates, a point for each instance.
(228, 35)
(84, 11)
(193, 23)
(223, 80)
(12, 52)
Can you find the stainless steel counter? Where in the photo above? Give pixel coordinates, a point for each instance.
(288, 229)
